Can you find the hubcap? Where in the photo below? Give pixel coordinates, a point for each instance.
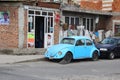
(68, 57)
(112, 55)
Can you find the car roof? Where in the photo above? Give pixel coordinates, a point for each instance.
(78, 37)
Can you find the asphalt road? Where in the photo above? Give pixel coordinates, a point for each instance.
(51, 70)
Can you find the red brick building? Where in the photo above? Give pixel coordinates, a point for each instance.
(104, 5)
(107, 22)
(29, 23)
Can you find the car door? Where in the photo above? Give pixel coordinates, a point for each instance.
(80, 49)
(89, 46)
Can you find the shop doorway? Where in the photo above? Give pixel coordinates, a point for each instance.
(39, 32)
(40, 25)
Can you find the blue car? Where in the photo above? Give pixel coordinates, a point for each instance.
(74, 47)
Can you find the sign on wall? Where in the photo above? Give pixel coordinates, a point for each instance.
(48, 40)
(31, 40)
(4, 17)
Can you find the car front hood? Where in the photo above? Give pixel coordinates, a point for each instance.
(104, 45)
(56, 48)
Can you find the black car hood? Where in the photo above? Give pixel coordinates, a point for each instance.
(100, 45)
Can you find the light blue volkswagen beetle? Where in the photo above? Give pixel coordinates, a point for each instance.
(74, 47)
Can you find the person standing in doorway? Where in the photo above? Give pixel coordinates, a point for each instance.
(49, 40)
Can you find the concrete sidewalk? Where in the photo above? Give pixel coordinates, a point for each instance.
(9, 59)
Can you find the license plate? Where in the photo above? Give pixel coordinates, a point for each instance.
(103, 49)
(50, 57)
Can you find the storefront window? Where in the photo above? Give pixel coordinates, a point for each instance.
(31, 12)
(77, 21)
(72, 20)
(88, 23)
(44, 13)
(37, 12)
(30, 23)
(50, 14)
(84, 22)
(50, 25)
(67, 20)
(92, 24)
(30, 33)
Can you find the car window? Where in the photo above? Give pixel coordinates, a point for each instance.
(88, 42)
(68, 41)
(118, 41)
(109, 41)
(80, 42)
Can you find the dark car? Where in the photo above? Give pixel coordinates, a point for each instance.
(109, 47)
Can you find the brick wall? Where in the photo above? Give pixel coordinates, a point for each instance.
(116, 6)
(25, 29)
(102, 23)
(56, 26)
(56, 34)
(106, 23)
(91, 5)
(98, 5)
(9, 33)
(49, 5)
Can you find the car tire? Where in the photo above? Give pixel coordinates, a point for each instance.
(67, 58)
(111, 56)
(95, 56)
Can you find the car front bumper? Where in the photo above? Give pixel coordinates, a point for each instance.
(56, 56)
(104, 53)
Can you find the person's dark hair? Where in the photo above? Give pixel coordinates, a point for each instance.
(49, 35)
(5, 13)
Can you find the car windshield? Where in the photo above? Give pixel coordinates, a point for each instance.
(68, 41)
(109, 41)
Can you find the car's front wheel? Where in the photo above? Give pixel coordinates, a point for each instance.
(95, 56)
(111, 56)
(67, 58)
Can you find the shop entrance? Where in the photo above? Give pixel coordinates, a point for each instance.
(39, 32)
(40, 26)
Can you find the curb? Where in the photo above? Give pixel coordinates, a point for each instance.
(24, 51)
(32, 60)
(11, 59)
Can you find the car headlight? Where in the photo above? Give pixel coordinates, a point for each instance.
(59, 53)
(103, 49)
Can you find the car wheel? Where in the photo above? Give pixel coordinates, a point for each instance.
(95, 56)
(67, 58)
(111, 55)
